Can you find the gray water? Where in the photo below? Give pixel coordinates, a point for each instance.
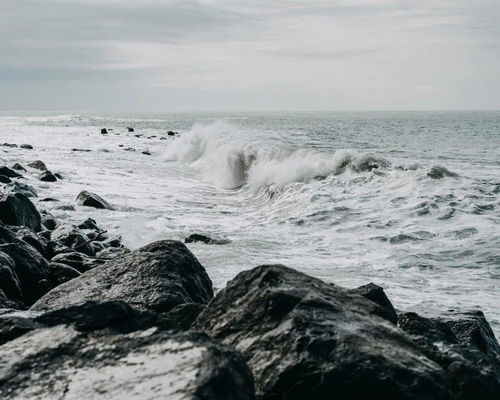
(346, 197)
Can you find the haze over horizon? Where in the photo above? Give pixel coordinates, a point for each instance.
(214, 55)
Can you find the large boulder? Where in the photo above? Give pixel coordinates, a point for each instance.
(89, 199)
(62, 363)
(156, 277)
(17, 209)
(304, 338)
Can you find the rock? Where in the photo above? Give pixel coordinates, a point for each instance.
(9, 173)
(58, 176)
(130, 129)
(104, 131)
(72, 237)
(19, 187)
(438, 172)
(195, 237)
(66, 207)
(9, 145)
(376, 294)
(9, 282)
(82, 150)
(171, 133)
(156, 277)
(5, 179)
(18, 167)
(27, 146)
(78, 261)
(14, 324)
(47, 176)
(49, 221)
(38, 164)
(17, 209)
(6, 303)
(49, 199)
(31, 238)
(61, 273)
(181, 317)
(91, 224)
(31, 269)
(55, 248)
(304, 338)
(62, 363)
(147, 153)
(111, 252)
(89, 199)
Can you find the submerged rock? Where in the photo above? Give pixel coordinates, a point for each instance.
(27, 146)
(89, 199)
(439, 172)
(196, 237)
(156, 277)
(17, 209)
(304, 338)
(62, 363)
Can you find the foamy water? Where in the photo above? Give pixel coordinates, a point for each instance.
(345, 197)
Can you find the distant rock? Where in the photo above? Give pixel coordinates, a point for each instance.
(104, 131)
(82, 150)
(196, 237)
(9, 145)
(18, 167)
(90, 224)
(147, 153)
(171, 133)
(130, 129)
(47, 176)
(156, 277)
(438, 172)
(49, 199)
(38, 164)
(89, 199)
(17, 209)
(27, 146)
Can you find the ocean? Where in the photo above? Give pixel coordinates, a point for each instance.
(407, 200)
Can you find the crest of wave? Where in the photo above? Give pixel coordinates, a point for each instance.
(231, 157)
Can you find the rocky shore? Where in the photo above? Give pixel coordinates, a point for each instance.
(82, 317)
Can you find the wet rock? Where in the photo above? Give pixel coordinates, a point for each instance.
(82, 150)
(111, 252)
(49, 221)
(181, 317)
(31, 238)
(104, 131)
(63, 363)
(376, 294)
(304, 338)
(27, 146)
(9, 145)
(19, 187)
(90, 224)
(9, 173)
(38, 164)
(14, 324)
(58, 176)
(89, 199)
(171, 133)
(195, 237)
(78, 261)
(17, 209)
(72, 237)
(130, 129)
(147, 153)
(47, 176)
(61, 273)
(438, 172)
(9, 282)
(66, 207)
(156, 277)
(49, 199)
(6, 303)
(18, 167)
(55, 248)
(5, 179)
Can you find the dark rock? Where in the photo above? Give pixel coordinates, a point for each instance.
(14, 324)
(97, 246)
(6, 303)
(58, 176)
(38, 164)
(129, 149)
(82, 150)
(5, 179)
(49, 221)
(17, 209)
(19, 187)
(49, 199)
(55, 248)
(78, 261)
(111, 252)
(181, 317)
(66, 207)
(9, 282)
(89, 223)
(63, 363)
(130, 129)
(195, 237)
(304, 338)
(61, 273)
(27, 146)
(10, 173)
(30, 237)
(71, 236)
(18, 167)
(147, 153)
(89, 199)
(171, 133)
(9, 145)
(156, 277)
(115, 242)
(438, 172)
(104, 131)
(47, 176)
(376, 294)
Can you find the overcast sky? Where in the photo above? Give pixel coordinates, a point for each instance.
(195, 55)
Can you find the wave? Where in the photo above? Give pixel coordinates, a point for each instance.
(232, 157)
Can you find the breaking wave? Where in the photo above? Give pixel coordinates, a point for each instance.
(231, 157)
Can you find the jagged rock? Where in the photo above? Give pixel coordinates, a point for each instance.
(104, 131)
(304, 338)
(30, 237)
(23, 188)
(47, 176)
(156, 277)
(376, 294)
(9, 282)
(89, 223)
(27, 146)
(38, 164)
(62, 363)
(72, 237)
(17, 209)
(61, 273)
(92, 200)
(6, 171)
(18, 167)
(78, 261)
(6, 303)
(196, 237)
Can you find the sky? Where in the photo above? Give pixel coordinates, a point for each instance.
(253, 55)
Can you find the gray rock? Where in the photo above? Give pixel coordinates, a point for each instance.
(38, 164)
(74, 238)
(61, 273)
(78, 261)
(89, 199)
(156, 277)
(23, 188)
